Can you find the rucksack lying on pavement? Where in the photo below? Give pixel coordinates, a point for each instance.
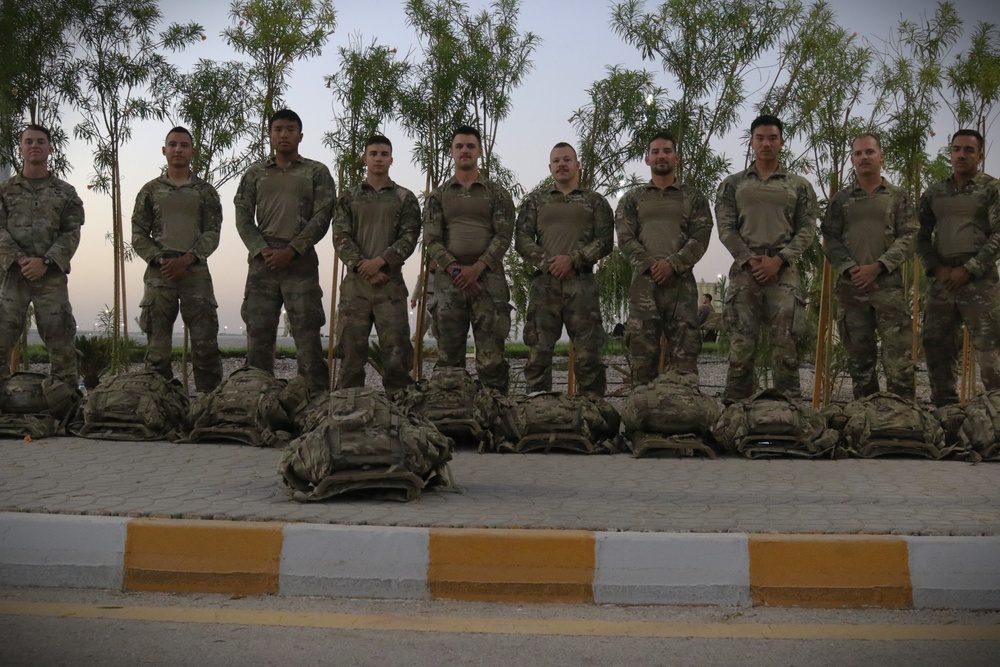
(886, 424)
(980, 431)
(460, 406)
(670, 417)
(35, 405)
(769, 424)
(552, 420)
(365, 443)
(133, 406)
(246, 408)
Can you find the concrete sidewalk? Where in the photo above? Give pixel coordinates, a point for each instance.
(164, 516)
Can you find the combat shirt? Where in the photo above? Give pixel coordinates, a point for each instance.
(170, 218)
(369, 223)
(579, 224)
(956, 222)
(468, 225)
(39, 217)
(285, 206)
(861, 228)
(673, 223)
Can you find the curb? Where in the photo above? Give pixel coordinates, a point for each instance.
(510, 565)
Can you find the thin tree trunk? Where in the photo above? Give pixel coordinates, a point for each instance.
(819, 396)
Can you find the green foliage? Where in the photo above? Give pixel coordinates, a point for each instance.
(614, 277)
(974, 79)
(95, 358)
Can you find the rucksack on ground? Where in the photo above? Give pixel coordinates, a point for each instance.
(546, 421)
(980, 431)
(35, 405)
(365, 443)
(460, 406)
(133, 406)
(246, 408)
(885, 424)
(670, 417)
(769, 424)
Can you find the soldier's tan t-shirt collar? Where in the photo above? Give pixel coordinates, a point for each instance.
(271, 162)
(365, 185)
(454, 181)
(780, 171)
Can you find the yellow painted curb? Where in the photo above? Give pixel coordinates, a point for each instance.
(177, 556)
(830, 571)
(512, 565)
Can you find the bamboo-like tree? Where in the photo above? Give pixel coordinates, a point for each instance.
(974, 80)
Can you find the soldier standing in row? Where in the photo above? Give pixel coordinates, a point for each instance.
(40, 220)
(868, 235)
(959, 244)
(469, 223)
(767, 219)
(175, 227)
(375, 229)
(563, 230)
(663, 228)
(283, 209)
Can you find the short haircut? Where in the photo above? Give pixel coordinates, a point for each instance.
(666, 136)
(467, 129)
(563, 144)
(970, 133)
(871, 135)
(378, 139)
(37, 128)
(180, 129)
(706, 294)
(284, 114)
(765, 119)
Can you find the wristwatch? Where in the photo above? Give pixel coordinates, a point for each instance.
(46, 260)
(456, 272)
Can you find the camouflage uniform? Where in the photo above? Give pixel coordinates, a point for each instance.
(961, 227)
(277, 208)
(464, 226)
(169, 221)
(580, 225)
(861, 228)
(674, 224)
(774, 217)
(369, 223)
(39, 218)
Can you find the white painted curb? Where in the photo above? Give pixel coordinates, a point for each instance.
(955, 572)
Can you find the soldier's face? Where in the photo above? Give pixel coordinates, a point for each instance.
(563, 165)
(34, 147)
(661, 157)
(378, 158)
(285, 136)
(965, 156)
(866, 157)
(766, 142)
(178, 150)
(465, 151)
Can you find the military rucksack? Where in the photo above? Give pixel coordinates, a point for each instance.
(35, 405)
(247, 408)
(980, 431)
(460, 406)
(885, 424)
(770, 424)
(365, 443)
(133, 406)
(670, 417)
(552, 420)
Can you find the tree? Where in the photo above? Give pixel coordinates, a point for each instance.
(121, 55)
(275, 34)
(974, 80)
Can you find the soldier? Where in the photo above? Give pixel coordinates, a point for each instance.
(705, 309)
(40, 220)
(283, 208)
(375, 228)
(767, 219)
(562, 231)
(868, 234)
(469, 222)
(663, 228)
(175, 227)
(959, 243)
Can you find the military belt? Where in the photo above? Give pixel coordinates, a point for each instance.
(467, 259)
(770, 252)
(957, 260)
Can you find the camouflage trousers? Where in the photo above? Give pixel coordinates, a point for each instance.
(750, 306)
(297, 288)
(194, 297)
(864, 319)
(488, 314)
(662, 310)
(361, 306)
(574, 303)
(53, 315)
(977, 305)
